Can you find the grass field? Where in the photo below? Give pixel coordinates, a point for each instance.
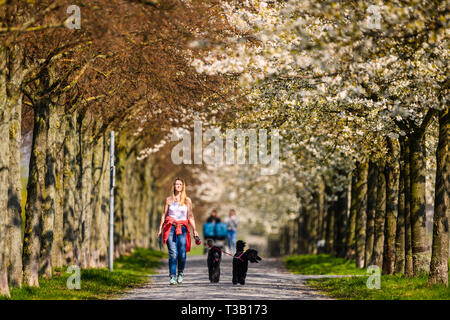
(195, 250)
(395, 287)
(392, 287)
(321, 264)
(129, 271)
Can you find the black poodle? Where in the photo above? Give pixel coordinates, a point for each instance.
(214, 258)
(240, 262)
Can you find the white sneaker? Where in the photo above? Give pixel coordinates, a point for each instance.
(180, 277)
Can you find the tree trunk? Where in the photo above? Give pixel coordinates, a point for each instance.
(70, 178)
(49, 198)
(14, 224)
(361, 209)
(341, 218)
(303, 232)
(148, 203)
(105, 203)
(380, 215)
(152, 214)
(133, 211)
(12, 74)
(391, 177)
(420, 250)
(140, 166)
(286, 243)
(58, 246)
(371, 209)
(400, 224)
(329, 239)
(85, 136)
(439, 254)
(36, 194)
(408, 229)
(5, 109)
(119, 201)
(350, 240)
(320, 203)
(314, 225)
(98, 180)
(294, 238)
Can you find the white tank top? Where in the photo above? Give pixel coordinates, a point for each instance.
(177, 212)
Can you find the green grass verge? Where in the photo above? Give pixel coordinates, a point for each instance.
(321, 264)
(392, 287)
(196, 250)
(395, 287)
(129, 271)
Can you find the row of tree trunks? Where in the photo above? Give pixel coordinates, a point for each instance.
(68, 195)
(11, 77)
(67, 205)
(386, 225)
(137, 214)
(370, 233)
(304, 231)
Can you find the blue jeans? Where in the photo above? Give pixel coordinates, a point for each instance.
(231, 237)
(177, 251)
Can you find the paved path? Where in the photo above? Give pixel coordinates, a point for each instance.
(265, 280)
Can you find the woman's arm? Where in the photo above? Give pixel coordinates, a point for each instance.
(163, 218)
(191, 216)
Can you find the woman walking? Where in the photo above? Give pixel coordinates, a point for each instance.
(174, 228)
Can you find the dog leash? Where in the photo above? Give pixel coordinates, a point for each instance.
(238, 257)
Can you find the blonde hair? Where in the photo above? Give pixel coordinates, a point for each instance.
(183, 192)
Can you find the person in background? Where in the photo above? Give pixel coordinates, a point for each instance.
(232, 224)
(209, 230)
(213, 217)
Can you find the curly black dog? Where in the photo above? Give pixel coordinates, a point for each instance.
(214, 258)
(240, 262)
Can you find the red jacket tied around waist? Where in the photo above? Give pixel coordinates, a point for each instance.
(179, 223)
